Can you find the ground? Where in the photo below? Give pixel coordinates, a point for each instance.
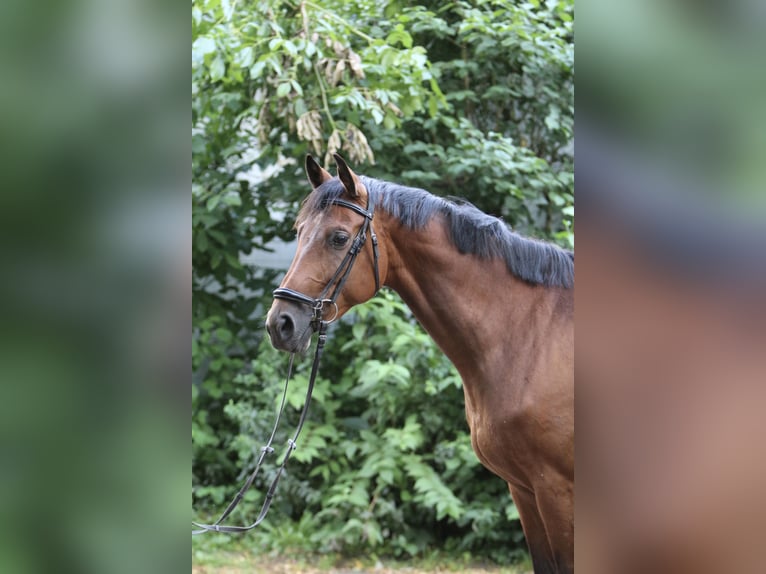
(243, 562)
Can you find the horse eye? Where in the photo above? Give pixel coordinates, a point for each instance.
(339, 239)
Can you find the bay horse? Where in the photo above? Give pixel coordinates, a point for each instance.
(499, 305)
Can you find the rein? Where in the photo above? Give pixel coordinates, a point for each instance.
(319, 325)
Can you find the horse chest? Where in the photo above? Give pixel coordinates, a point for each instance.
(497, 440)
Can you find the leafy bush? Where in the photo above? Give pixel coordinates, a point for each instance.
(385, 459)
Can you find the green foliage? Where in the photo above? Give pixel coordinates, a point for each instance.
(374, 467)
(465, 99)
(504, 140)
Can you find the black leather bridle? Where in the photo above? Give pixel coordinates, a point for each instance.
(319, 325)
(343, 270)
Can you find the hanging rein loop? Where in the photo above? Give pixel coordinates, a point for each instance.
(318, 306)
(267, 449)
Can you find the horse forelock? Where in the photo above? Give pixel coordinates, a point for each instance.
(318, 200)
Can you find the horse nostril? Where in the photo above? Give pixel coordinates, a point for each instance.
(285, 325)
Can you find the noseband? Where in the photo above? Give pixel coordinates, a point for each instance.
(341, 274)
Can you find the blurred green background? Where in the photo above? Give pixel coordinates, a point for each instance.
(94, 296)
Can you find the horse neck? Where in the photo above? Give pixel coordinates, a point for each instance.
(473, 308)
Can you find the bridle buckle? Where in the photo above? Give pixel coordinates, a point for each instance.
(319, 310)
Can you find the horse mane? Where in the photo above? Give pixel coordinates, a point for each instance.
(470, 230)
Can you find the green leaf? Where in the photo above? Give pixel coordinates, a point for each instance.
(198, 143)
(257, 69)
(433, 106)
(283, 89)
(223, 335)
(203, 46)
(217, 68)
(212, 203)
(232, 199)
(290, 47)
(200, 241)
(399, 35)
(389, 122)
(245, 57)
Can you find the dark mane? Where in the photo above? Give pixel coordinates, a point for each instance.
(471, 230)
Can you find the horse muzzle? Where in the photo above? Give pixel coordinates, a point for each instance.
(288, 329)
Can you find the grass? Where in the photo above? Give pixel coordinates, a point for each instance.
(245, 562)
(227, 556)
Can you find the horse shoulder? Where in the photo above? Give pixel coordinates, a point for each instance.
(524, 418)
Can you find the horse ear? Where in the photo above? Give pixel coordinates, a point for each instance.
(316, 173)
(348, 178)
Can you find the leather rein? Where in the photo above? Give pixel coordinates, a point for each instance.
(319, 325)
